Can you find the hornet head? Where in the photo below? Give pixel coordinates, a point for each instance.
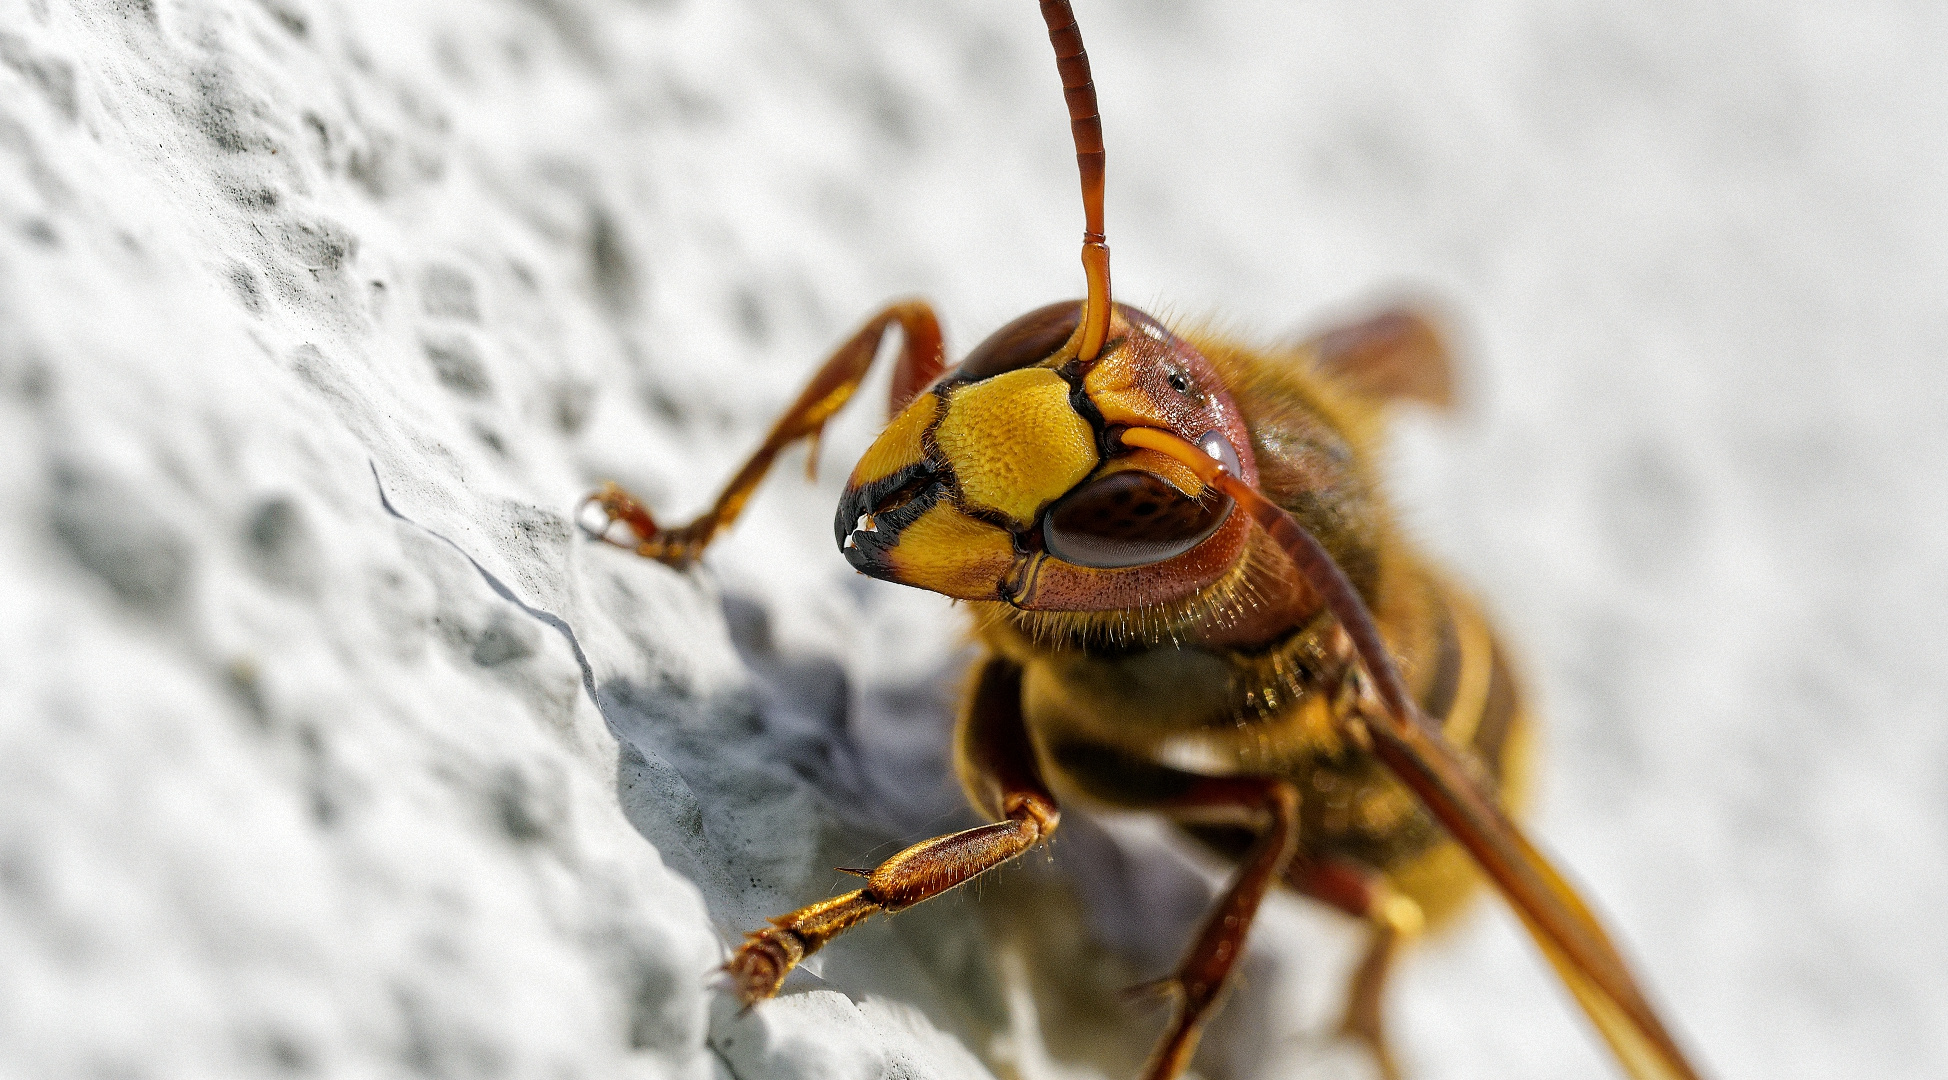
(1008, 479)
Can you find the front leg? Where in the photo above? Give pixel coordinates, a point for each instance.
(996, 759)
(922, 357)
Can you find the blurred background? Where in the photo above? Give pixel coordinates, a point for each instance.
(295, 780)
(1693, 258)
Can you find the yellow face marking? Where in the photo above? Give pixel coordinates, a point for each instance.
(1014, 442)
(951, 553)
(899, 445)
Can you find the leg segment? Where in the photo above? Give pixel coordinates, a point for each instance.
(1412, 747)
(995, 754)
(921, 360)
(1394, 918)
(1395, 354)
(1199, 981)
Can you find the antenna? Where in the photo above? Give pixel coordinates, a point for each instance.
(1086, 125)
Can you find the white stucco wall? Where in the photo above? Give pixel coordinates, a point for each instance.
(329, 749)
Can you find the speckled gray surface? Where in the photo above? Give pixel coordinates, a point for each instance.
(329, 749)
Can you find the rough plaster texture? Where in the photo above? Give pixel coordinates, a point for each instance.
(329, 749)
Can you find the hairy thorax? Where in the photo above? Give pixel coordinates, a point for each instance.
(1126, 725)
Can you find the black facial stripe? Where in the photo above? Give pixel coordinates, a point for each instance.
(1106, 446)
(918, 486)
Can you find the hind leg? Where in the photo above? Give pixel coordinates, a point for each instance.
(1393, 920)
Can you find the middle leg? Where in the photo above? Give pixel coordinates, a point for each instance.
(1199, 983)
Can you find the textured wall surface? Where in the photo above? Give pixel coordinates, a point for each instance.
(328, 748)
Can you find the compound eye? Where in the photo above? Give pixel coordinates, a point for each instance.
(1030, 339)
(1130, 518)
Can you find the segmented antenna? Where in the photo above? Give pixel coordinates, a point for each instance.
(1086, 125)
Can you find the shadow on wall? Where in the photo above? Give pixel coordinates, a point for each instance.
(755, 796)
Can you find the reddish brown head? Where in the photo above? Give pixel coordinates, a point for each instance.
(1008, 478)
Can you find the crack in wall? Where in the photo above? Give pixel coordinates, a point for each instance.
(500, 588)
